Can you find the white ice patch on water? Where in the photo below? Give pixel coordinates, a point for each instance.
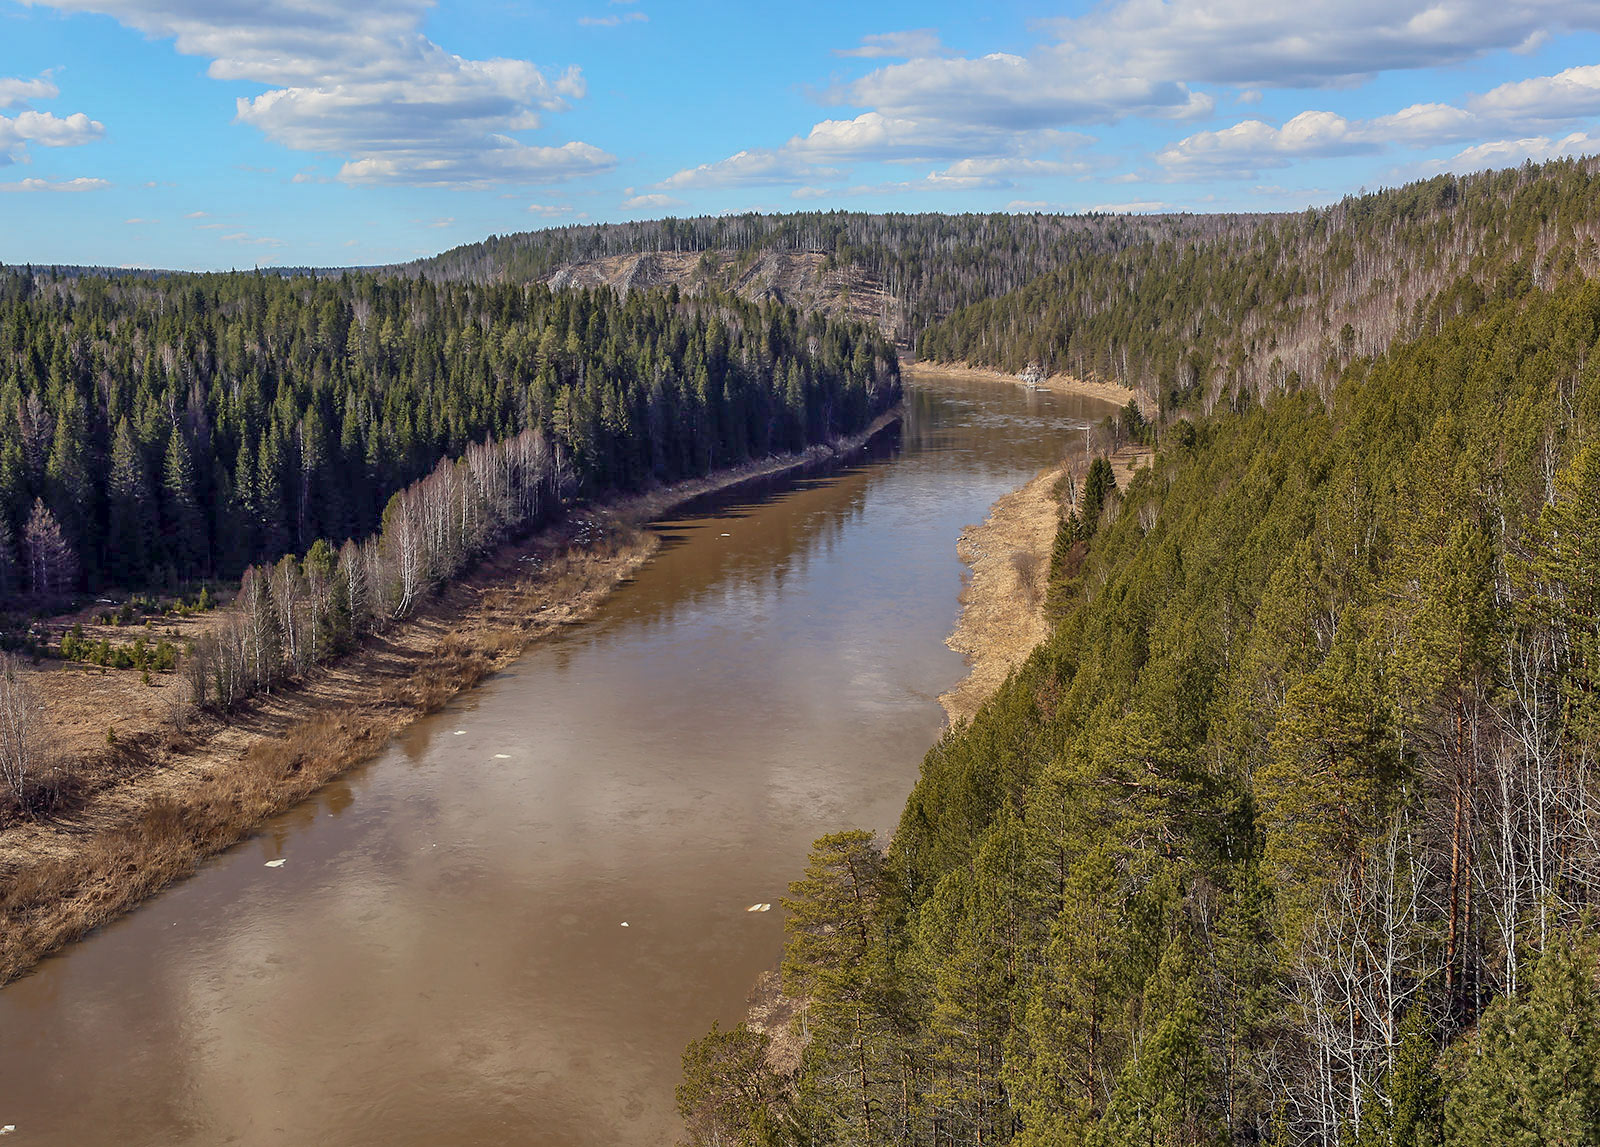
(275, 864)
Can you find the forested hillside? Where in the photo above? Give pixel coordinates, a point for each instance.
(929, 265)
(154, 431)
(1291, 301)
(1290, 832)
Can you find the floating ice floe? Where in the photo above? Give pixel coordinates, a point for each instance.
(624, 923)
(275, 864)
(727, 535)
(8, 1129)
(502, 756)
(460, 733)
(759, 908)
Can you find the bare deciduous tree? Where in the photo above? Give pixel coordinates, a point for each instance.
(20, 751)
(52, 566)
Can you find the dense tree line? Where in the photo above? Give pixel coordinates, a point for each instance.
(1289, 834)
(154, 431)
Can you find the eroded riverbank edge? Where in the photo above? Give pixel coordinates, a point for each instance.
(192, 793)
(1002, 618)
(1002, 614)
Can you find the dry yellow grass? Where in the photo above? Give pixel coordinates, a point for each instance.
(1002, 607)
(1003, 615)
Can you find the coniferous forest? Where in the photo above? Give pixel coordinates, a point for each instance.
(1289, 833)
(160, 430)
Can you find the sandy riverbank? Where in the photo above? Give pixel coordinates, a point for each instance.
(170, 797)
(1060, 383)
(1002, 607)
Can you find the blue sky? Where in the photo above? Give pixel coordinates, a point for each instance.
(225, 133)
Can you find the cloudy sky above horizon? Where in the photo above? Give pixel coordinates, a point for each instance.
(226, 133)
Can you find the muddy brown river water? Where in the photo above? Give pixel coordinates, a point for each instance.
(442, 956)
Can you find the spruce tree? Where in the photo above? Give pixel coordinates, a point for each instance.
(132, 517)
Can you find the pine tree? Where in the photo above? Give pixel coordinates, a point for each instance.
(131, 533)
(1167, 1093)
(71, 491)
(182, 521)
(1531, 1072)
(834, 962)
(729, 1097)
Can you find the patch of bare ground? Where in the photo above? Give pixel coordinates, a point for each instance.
(806, 279)
(169, 793)
(772, 1013)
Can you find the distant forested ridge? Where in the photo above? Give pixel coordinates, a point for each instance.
(164, 429)
(930, 265)
(1183, 307)
(1290, 833)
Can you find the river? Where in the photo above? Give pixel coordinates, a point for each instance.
(506, 927)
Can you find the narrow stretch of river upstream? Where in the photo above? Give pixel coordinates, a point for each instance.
(442, 956)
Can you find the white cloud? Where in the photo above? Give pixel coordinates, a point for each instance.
(1511, 152)
(1514, 111)
(49, 130)
(45, 129)
(1422, 125)
(1133, 207)
(137, 222)
(246, 239)
(1152, 59)
(651, 202)
(874, 137)
(613, 21)
(896, 45)
(15, 91)
(361, 81)
(1307, 43)
(79, 184)
(1542, 99)
(748, 168)
(1001, 92)
(1243, 149)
